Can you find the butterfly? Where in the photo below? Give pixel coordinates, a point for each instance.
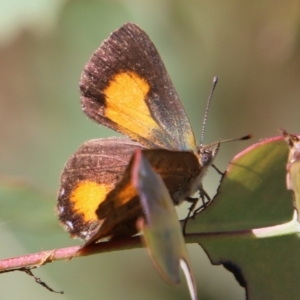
(125, 86)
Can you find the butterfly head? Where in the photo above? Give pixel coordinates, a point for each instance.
(207, 153)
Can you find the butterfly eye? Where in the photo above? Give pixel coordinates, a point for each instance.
(205, 158)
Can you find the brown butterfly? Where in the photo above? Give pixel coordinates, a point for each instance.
(125, 86)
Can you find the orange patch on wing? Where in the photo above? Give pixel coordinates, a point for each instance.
(87, 196)
(126, 105)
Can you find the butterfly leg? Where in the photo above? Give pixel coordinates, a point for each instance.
(194, 202)
(203, 196)
(205, 201)
(218, 170)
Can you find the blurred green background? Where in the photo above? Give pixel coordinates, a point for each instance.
(252, 46)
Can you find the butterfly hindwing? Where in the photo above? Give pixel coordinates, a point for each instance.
(121, 209)
(90, 174)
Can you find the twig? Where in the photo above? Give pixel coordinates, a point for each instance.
(35, 260)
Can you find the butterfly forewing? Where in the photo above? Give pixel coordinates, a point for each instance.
(125, 86)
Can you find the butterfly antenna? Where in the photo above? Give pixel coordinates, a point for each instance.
(215, 81)
(242, 138)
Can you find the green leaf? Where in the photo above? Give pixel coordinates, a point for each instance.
(253, 194)
(162, 232)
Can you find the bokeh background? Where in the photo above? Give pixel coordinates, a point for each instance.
(252, 46)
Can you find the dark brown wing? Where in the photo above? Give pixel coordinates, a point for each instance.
(90, 174)
(125, 86)
(120, 210)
